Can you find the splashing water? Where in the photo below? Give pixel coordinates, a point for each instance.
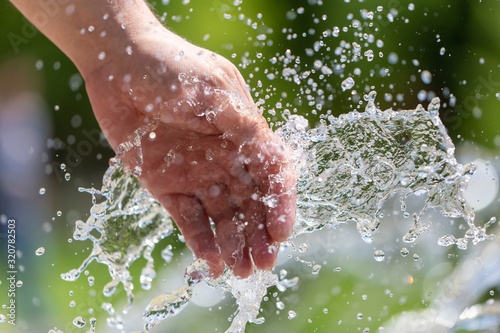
(348, 166)
(355, 162)
(129, 222)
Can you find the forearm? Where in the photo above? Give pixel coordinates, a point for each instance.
(91, 32)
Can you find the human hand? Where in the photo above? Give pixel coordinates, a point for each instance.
(201, 147)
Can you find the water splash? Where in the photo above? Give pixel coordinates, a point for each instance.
(349, 166)
(125, 223)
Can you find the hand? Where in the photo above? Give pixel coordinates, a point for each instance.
(203, 149)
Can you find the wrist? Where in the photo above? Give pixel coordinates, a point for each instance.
(115, 34)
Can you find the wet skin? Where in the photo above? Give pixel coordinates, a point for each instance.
(211, 159)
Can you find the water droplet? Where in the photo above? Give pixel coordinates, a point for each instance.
(411, 6)
(369, 55)
(128, 49)
(393, 58)
(79, 322)
(404, 252)
(2, 318)
(101, 56)
(379, 255)
(280, 305)
(325, 310)
(40, 251)
(42, 190)
(67, 176)
(19, 283)
(72, 304)
(291, 15)
(426, 76)
(137, 171)
(291, 314)
(303, 248)
(359, 315)
(316, 269)
(91, 280)
(347, 84)
(498, 96)
(416, 257)
(39, 65)
(442, 51)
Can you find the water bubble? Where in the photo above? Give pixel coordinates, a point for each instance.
(42, 190)
(404, 252)
(426, 76)
(379, 255)
(291, 314)
(79, 322)
(40, 251)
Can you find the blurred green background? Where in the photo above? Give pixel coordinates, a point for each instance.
(458, 42)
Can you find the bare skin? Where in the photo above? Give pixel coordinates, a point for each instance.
(207, 154)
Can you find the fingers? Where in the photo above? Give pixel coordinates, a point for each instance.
(269, 164)
(240, 220)
(262, 247)
(193, 222)
(230, 235)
